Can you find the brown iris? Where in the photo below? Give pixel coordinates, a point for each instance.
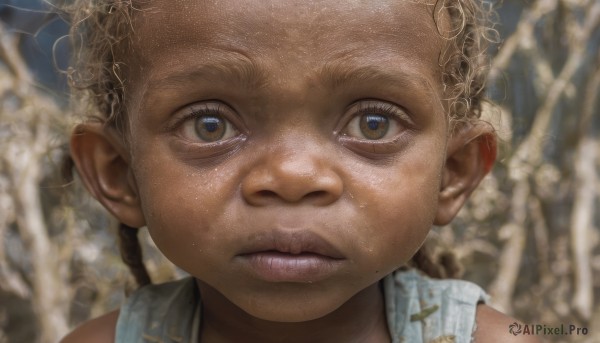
(374, 126)
(210, 128)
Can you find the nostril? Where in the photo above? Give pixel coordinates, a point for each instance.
(312, 197)
(266, 194)
(315, 195)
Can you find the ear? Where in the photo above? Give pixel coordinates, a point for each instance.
(471, 153)
(101, 160)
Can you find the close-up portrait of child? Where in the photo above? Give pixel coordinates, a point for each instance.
(307, 171)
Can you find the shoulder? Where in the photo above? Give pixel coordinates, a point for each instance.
(493, 327)
(99, 330)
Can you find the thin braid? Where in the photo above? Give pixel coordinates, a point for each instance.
(66, 168)
(444, 266)
(131, 254)
(129, 244)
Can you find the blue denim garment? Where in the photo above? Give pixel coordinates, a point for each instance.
(421, 309)
(418, 308)
(162, 313)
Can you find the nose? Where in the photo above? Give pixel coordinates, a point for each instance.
(300, 176)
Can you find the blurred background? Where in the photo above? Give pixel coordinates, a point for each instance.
(529, 235)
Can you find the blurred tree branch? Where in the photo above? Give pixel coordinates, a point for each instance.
(21, 157)
(528, 155)
(586, 178)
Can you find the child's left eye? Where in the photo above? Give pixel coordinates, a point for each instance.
(206, 124)
(374, 121)
(370, 126)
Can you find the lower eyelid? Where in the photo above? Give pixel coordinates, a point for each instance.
(204, 151)
(378, 150)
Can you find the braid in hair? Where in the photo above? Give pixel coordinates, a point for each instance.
(66, 168)
(129, 245)
(443, 266)
(131, 254)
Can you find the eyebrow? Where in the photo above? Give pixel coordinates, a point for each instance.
(340, 73)
(334, 74)
(241, 71)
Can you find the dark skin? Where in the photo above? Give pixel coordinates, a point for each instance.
(246, 121)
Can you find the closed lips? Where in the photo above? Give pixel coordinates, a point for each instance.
(293, 242)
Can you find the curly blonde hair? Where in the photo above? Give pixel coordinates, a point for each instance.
(99, 28)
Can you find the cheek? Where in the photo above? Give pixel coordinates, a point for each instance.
(399, 206)
(183, 209)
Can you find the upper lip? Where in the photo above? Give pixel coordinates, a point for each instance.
(292, 242)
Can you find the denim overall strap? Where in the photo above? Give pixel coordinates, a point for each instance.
(165, 313)
(421, 309)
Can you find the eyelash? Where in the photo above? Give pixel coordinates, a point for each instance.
(205, 110)
(190, 113)
(382, 108)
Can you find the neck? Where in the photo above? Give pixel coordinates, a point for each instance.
(361, 319)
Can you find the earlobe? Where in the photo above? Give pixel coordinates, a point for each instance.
(470, 156)
(100, 158)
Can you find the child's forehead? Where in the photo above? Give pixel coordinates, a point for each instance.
(246, 20)
(288, 34)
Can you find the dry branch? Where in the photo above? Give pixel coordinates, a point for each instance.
(581, 225)
(21, 158)
(502, 288)
(522, 34)
(583, 206)
(528, 155)
(529, 152)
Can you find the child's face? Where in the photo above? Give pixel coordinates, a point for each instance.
(286, 152)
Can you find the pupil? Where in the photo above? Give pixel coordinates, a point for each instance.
(374, 126)
(211, 124)
(210, 128)
(373, 123)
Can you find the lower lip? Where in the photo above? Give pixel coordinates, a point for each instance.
(282, 267)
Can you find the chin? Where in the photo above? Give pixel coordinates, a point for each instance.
(292, 305)
(291, 313)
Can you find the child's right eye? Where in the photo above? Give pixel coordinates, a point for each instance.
(205, 123)
(376, 121)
